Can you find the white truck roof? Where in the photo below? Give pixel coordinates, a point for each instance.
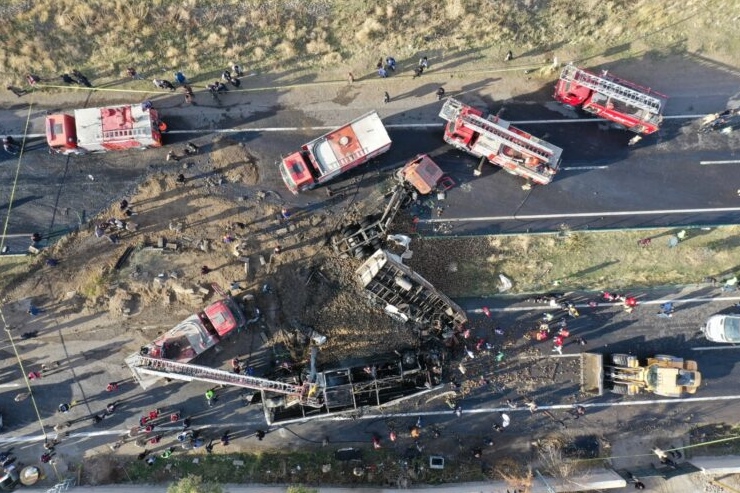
(348, 143)
(96, 126)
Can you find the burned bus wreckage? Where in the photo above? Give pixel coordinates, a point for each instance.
(408, 298)
(388, 284)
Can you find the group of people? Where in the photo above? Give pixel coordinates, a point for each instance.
(76, 78)
(385, 67)
(629, 302)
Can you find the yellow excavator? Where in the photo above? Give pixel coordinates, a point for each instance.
(626, 374)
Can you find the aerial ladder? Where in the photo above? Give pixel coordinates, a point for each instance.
(612, 89)
(507, 137)
(496, 140)
(304, 394)
(633, 107)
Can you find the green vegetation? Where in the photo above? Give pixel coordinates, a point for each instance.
(103, 37)
(575, 261)
(13, 267)
(300, 489)
(378, 467)
(194, 484)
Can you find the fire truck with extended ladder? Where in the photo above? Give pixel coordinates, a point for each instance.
(320, 393)
(171, 356)
(634, 107)
(104, 129)
(502, 144)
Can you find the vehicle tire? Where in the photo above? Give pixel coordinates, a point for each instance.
(620, 388)
(620, 359)
(368, 221)
(363, 252)
(350, 230)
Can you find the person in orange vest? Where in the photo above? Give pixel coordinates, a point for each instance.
(162, 126)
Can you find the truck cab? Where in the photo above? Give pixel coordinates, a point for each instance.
(296, 172)
(61, 134)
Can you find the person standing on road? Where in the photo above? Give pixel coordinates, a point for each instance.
(440, 93)
(558, 344)
(630, 302)
(210, 397)
(666, 310)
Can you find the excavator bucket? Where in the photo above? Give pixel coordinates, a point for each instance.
(592, 373)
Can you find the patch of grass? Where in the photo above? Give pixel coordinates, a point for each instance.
(720, 439)
(94, 283)
(379, 467)
(203, 36)
(578, 261)
(11, 268)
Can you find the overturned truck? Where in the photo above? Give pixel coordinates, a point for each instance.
(408, 297)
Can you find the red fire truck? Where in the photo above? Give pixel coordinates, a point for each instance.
(104, 129)
(332, 154)
(634, 107)
(502, 144)
(196, 334)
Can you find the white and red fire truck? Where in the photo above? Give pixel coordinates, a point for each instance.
(636, 108)
(502, 144)
(334, 153)
(104, 129)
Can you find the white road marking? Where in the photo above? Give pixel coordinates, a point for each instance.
(704, 163)
(576, 168)
(580, 214)
(714, 348)
(349, 416)
(119, 432)
(545, 307)
(522, 408)
(390, 125)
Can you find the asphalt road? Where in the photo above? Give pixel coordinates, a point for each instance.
(93, 360)
(604, 183)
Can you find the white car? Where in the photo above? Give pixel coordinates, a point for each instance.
(722, 328)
